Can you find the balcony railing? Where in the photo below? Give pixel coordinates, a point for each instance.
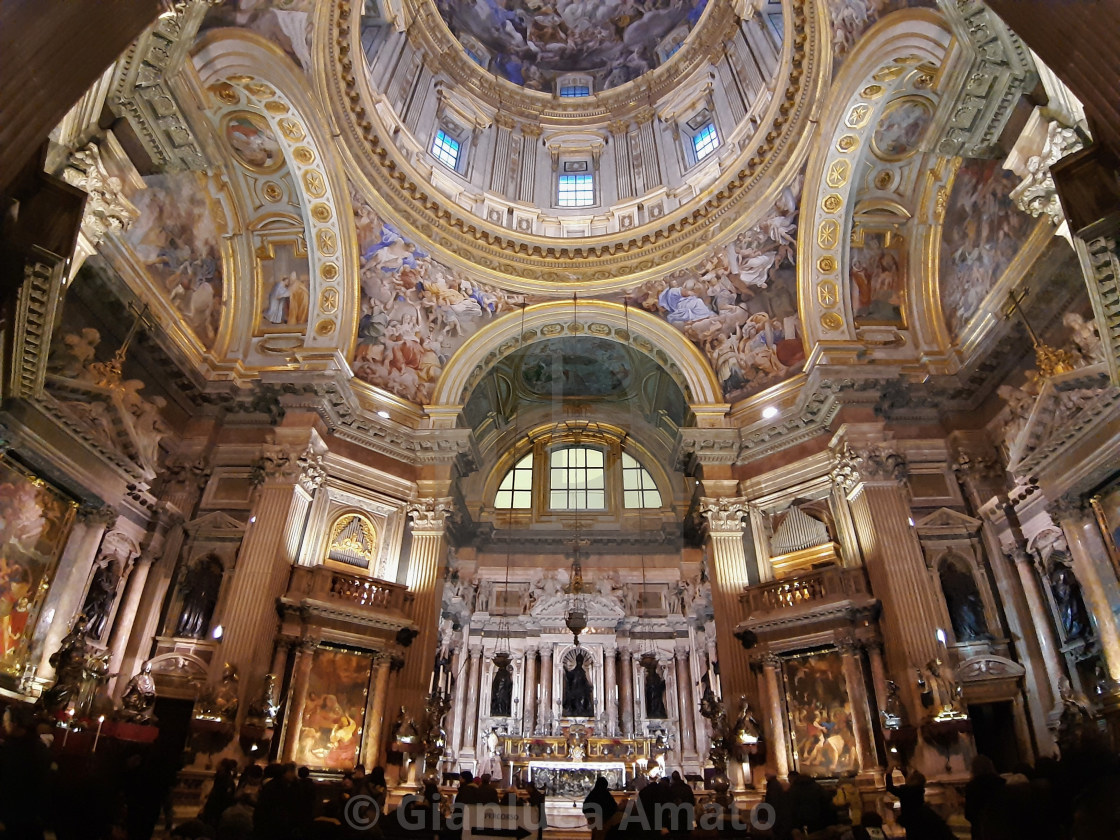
(322, 583)
(833, 583)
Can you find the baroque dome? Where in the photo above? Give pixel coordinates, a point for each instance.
(533, 43)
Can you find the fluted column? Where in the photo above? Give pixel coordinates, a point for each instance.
(872, 475)
(425, 584)
(857, 700)
(470, 721)
(626, 690)
(686, 693)
(610, 688)
(301, 676)
(371, 748)
(65, 596)
(529, 692)
(287, 475)
(728, 570)
(526, 191)
(544, 710)
(1092, 568)
(1042, 626)
(878, 674)
(779, 742)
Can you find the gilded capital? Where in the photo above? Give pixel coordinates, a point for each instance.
(872, 462)
(285, 464)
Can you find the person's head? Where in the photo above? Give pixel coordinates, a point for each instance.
(288, 771)
(983, 766)
(466, 777)
(916, 779)
(377, 776)
(484, 779)
(360, 771)
(303, 773)
(676, 777)
(601, 783)
(253, 773)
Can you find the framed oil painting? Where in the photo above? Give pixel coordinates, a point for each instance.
(35, 522)
(330, 733)
(820, 714)
(1106, 506)
(877, 260)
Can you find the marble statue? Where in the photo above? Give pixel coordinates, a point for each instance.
(966, 610)
(139, 697)
(264, 710)
(577, 690)
(221, 704)
(1072, 615)
(655, 694)
(892, 713)
(200, 595)
(501, 693)
(941, 694)
(1085, 337)
(99, 599)
(69, 664)
(747, 730)
(95, 673)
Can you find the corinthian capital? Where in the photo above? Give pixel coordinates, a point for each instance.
(107, 210)
(724, 514)
(429, 514)
(279, 463)
(871, 462)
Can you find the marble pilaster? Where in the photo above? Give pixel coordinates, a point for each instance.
(776, 715)
(301, 675)
(610, 687)
(728, 571)
(626, 689)
(375, 717)
(529, 692)
(470, 720)
(544, 710)
(857, 700)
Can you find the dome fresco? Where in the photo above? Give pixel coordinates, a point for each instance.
(531, 42)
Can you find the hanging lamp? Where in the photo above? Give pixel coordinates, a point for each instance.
(503, 656)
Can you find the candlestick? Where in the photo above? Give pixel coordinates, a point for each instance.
(100, 721)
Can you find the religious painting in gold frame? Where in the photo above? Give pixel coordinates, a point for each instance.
(330, 732)
(877, 273)
(35, 523)
(821, 730)
(1106, 507)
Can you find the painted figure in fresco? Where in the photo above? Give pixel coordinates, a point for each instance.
(577, 690)
(200, 596)
(966, 610)
(279, 298)
(501, 693)
(655, 694)
(15, 580)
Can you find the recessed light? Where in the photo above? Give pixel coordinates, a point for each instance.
(769, 413)
(383, 414)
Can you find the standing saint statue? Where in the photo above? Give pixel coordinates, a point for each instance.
(200, 595)
(577, 690)
(655, 694)
(501, 693)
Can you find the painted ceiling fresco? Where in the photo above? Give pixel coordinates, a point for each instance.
(533, 41)
(416, 312)
(177, 240)
(582, 367)
(851, 17)
(739, 304)
(287, 23)
(981, 234)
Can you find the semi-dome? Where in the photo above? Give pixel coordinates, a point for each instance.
(535, 43)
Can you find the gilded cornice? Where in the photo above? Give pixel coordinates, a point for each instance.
(599, 263)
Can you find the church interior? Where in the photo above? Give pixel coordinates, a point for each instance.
(559, 390)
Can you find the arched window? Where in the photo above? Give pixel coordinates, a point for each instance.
(516, 490)
(577, 479)
(638, 487)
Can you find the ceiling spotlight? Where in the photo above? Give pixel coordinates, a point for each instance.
(769, 413)
(383, 414)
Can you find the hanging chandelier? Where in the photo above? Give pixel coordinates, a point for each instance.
(648, 657)
(503, 656)
(576, 619)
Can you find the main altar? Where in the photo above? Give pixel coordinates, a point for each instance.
(568, 764)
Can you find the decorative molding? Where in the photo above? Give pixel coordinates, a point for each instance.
(1037, 194)
(867, 463)
(280, 463)
(725, 515)
(430, 515)
(1100, 263)
(34, 317)
(107, 210)
(143, 93)
(1001, 71)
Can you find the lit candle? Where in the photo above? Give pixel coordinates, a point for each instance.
(941, 637)
(69, 719)
(100, 721)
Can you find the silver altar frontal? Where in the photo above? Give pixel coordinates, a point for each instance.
(571, 779)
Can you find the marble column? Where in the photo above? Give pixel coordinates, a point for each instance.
(544, 710)
(130, 602)
(1094, 572)
(779, 742)
(65, 597)
(288, 473)
(297, 693)
(470, 720)
(425, 583)
(1043, 625)
(462, 681)
(610, 688)
(878, 675)
(626, 690)
(375, 717)
(728, 570)
(686, 692)
(529, 693)
(857, 700)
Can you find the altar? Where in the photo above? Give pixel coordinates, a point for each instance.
(574, 780)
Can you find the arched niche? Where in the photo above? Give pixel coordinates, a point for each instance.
(611, 321)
